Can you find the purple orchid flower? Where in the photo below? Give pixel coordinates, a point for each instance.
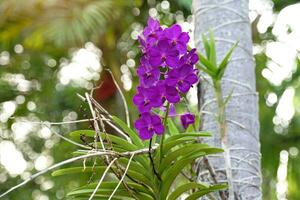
(187, 119)
(171, 94)
(177, 38)
(152, 30)
(147, 98)
(182, 78)
(167, 92)
(149, 75)
(163, 54)
(148, 125)
(190, 58)
(166, 71)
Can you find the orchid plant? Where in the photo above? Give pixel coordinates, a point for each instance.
(154, 160)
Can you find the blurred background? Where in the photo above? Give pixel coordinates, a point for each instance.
(52, 49)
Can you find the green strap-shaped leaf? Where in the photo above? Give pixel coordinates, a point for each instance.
(212, 58)
(105, 193)
(132, 134)
(203, 192)
(76, 134)
(184, 151)
(172, 127)
(122, 144)
(136, 166)
(208, 71)
(172, 172)
(204, 189)
(206, 46)
(177, 143)
(197, 122)
(184, 188)
(135, 174)
(190, 128)
(105, 186)
(76, 170)
(224, 62)
(193, 134)
(115, 139)
(209, 66)
(99, 197)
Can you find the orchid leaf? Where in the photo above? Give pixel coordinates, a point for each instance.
(132, 134)
(224, 62)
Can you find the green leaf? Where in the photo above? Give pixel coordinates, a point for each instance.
(76, 170)
(172, 172)
(76, 134)
(86, 196)
(105, 193)
(190, 128)
(136, 166)
(185, 188)
(182, 138)
(206, 46)
(208, 71)
(167, 162)
(99, 197)
(177, 143)
(203, 192)
(172, 127)
(108, 187)
(132, 134)
(114, 139)
(197, 122)
(224, 62)
(210, 66)
(184, 151)
(135, 174)
(212, 58)
(182, 135)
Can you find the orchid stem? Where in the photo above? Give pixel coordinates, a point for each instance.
(163, 135)
(152, 162)
(223, 132)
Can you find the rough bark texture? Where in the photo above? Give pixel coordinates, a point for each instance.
(228, 19)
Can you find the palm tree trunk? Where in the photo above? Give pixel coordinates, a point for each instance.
(228, 19)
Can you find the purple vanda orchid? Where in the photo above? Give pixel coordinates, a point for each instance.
(148, 125)
(163, 54)
(187, 119)
(177, 38)
(167, 71)
(146, 99)
(182, 78)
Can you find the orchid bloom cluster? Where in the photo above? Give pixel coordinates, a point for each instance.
(166, 71)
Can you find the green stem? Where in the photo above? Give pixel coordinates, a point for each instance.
(163, 135)
(223, 132)
(221, 109)
(152, 161)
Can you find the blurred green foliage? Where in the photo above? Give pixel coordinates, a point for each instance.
(52, 30)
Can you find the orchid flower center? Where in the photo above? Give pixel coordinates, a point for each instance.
(152, 34)
(148, 74)
(150, 128)
(146, 102)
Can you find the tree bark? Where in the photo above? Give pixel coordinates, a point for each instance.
(229, 21)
